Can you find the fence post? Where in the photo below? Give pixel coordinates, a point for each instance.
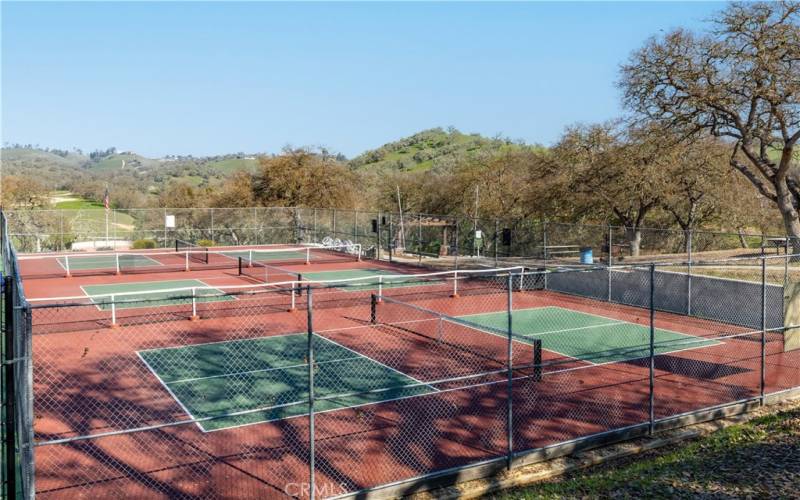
(316, 239)
(544, 250)
(455, 263)
(10, 388)
(610, 259)
(378, 237)
(310, 358)
(652, 348)
(689, 237)
(495, 242)
(391, 239)
(165, 229)
(509, 397)
(256, 228)
(786, 263)
(419, 238)
(763, 328)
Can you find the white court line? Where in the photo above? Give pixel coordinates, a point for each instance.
(220, 342)
(165, 386)
(203, 285)
(79, 257)
(569, 330)
(377, 362)
(710, 343)
(262, 370)
(358, 356)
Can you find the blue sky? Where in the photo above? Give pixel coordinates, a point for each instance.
(210, 78)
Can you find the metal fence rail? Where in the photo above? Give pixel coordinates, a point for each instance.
(385, 383)
(426, 237)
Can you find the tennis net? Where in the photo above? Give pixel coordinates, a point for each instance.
(476, 347)
(264, 273)
(186, 256)
(196, 253)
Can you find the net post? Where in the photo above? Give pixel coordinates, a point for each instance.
(537, 360)
(113, 312)
(240, 265)
(308, 256)
(250, 258)
(380, 288)
(510, 381)
(293, 293)
(194, 305)
(186, 261)
(455, 284)
(10, 388)
(652, 367)
(311, 422)
(763, 380)
(66, 266)
(116, 264)
(373, 308)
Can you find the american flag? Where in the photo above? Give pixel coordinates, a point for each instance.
(105, 199)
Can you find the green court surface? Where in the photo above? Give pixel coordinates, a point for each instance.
(88, 262)
(267, 256)
(587, 337)
(389, 280)
(264, 373)
(100, 294)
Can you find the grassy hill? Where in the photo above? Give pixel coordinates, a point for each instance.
(50, 168)
(57, 170)
(428, 149)
(231, 165)
(123, 161)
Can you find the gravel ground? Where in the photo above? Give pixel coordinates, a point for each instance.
(757, 459)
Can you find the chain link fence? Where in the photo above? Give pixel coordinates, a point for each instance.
(391, 382)
(439, 241)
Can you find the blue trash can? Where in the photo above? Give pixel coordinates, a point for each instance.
(586, 255)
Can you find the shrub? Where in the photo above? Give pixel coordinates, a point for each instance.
(205, 243)
(143, 244)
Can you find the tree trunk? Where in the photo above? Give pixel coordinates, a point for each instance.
(634, 237)
(791, 220)
(742, 239)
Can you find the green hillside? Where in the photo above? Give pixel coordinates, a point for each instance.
(123, 161)
(49, 168)
(231, 165)
(58, 169)
(428, 149)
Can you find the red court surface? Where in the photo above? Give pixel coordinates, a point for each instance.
(89, 380)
